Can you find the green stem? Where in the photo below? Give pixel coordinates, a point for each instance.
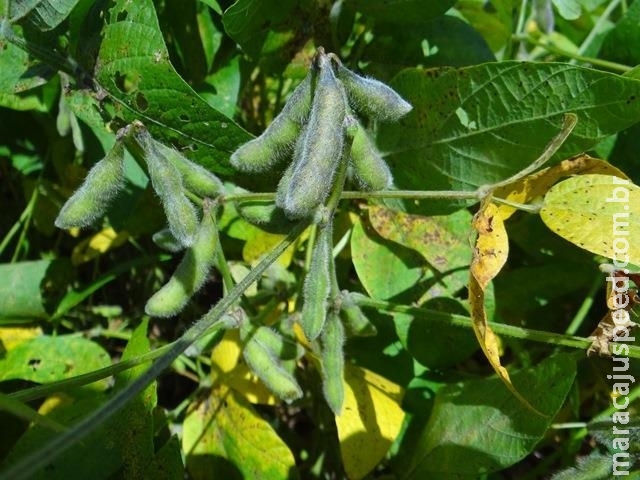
(597, 27)
(38, 459)
(500, 328)
(585, 307)
(535, 209)
(351, 195)
(26, 214)
(575, 57)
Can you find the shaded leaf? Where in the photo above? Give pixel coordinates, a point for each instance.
(98, 244)
(477, 427)
(402, 11)
(370, 420)
(475, 126)
(44, 14)
(600, 213)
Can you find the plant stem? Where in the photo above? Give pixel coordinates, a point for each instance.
(350, 195)
(501, 328)
(602, 19)
(575, 57)
(38, 459)
(26, 214)
(585, 307)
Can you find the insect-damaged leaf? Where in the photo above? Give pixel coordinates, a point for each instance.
(489, 256)
(600, 213)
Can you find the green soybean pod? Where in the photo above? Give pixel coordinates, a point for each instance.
(195, 178)
(165, 240)
(264, 214)
(317, 284)
(282, 347)
(355, 321)
(167, 182)
(269, 369)
(276, 142)
(369, 169)
(318, 155)
(91, 200)
(332, 362)
(372, 97)
(191, 272)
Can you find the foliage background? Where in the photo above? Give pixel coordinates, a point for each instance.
(489, 81)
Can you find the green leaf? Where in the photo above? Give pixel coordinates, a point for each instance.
(477, 125)
(568, 9)
(46, 359)
(29, 288)
(225, 435)
(146, 86)
(44, 14)
(494, 24)
(622, 43)
(402, 11)
(478, 426)
(384, 268)
(599, 213)
(430, 342)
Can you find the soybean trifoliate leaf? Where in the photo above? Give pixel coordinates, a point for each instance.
(489, 256)
(535, 185)
(599, 213)
(370, 421)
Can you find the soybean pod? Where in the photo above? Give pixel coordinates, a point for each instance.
(268, 367)
(317, 284)
(332, 362)
(369, 169)
(91, 200)
(167, 182)
(355, 321)
(195, 178)
(319, 153)
(191, 272)
(276, 142)
(372, 97)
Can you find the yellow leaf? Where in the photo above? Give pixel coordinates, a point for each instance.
(489, 256)
(11, 337)
(98, 244)
(260, 243)
(533, 186)
(599, 213)
(370, 421)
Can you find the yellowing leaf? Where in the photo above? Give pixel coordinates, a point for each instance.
(492, 245)
(260, 243)
(370, 420)
(489, 256)
(11, 337)
(600, 213)
(532, 186)
(224, 434)
(98, 244)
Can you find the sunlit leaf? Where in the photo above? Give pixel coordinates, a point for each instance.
(370, 420)
(98, 244)
(600, 213)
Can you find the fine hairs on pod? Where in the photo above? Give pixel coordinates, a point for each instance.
(371, 97)
(317, 284)
(191, 272)
(92, 199)
(332, 362)
(275, 143)
(318, 154)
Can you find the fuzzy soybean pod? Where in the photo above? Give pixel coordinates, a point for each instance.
(372, 97)
(318, 155)
(191, 272)
(370, 171)
(167, 182)
(263, 152)
(317, 284)
(332, 362)
(91, 200)
(265, 214)
(195, 178)
(266, 364)
(355, 321)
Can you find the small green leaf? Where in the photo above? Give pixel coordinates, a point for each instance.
(600, 213)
